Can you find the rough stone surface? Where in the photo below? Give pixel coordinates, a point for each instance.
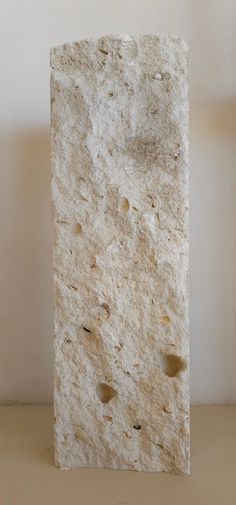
(120, 197)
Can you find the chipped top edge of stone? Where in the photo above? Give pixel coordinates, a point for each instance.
(94, 40)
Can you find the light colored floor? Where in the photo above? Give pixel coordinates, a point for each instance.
(28, 477)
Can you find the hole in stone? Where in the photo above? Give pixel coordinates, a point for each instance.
(78, 229)
(137, 426)
(61, 221)
(103, 51)
(110, 94)
(168, 409)
(83, 198)
(107, 418)
(124, 204)
(106, 308)
(86, 329)
(80, 434)
(105, 393)
(170, 364)
(165, 319)
(119, 347)
(74, 288)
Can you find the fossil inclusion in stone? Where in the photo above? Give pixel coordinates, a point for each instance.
(120, 206)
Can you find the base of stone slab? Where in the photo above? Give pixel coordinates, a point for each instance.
(28, 475)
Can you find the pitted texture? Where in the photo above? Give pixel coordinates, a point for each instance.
(120, 197)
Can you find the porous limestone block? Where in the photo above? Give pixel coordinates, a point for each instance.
(120, 198)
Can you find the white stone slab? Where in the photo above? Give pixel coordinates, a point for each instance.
(120, 197)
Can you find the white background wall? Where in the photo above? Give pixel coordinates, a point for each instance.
(28, 28)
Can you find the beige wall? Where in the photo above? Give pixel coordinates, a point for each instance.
(27, 29)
